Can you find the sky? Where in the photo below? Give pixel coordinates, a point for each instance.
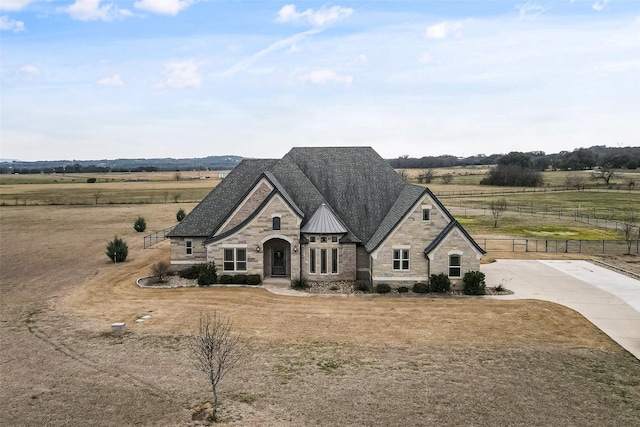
(107, 79)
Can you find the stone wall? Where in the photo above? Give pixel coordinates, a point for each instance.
(346, 261)
(179, 257)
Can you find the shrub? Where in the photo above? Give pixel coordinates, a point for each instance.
(140, 225)
(253, 279)
(474, 283)
(160, 269)
(403, 290)
(240, 279)
(180, 214)
(117, 250)
(91, 180)
(440, 283)
(190, 273)
(362, 286)
(383, 288)
(300, 283)
(226, 279)
(208, 274)
(420, 288)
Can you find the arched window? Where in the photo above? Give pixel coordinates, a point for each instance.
(276, 223)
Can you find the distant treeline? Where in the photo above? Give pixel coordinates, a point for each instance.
(121, 165)
(578, 159)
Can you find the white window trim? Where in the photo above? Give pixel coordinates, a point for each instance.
(188, 247)
(459, 267)
(235, 258)
(401, 258)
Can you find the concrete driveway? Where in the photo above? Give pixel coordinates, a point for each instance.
(610, 300)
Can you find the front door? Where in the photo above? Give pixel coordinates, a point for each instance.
(279, 261)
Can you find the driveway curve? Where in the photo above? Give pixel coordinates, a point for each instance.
(611, 301)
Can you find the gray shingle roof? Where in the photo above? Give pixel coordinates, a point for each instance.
(358, 187)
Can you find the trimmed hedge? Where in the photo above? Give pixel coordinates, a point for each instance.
(226, 279)
(383, 288)
(403, 290)
(253, 279)
(440, 283)
(420, 288)
(474, 283)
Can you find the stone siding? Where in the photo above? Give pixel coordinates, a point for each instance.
(249, 206)
(455, 243)
(179, 257)
(258, 232)
(346, 261)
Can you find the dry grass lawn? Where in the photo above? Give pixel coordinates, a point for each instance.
(310, 361)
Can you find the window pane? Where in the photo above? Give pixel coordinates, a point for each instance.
(312, 260)
(334, 239)
(426, 214)
(323, 261)
(405, 264)
(228, 255)
(276, 223)
(228, 265)
(454, 260)
(241, 254)
(189, 247)
(405, 254)
(241, 266)
(334, 260)
(454, 271)
(396, 264)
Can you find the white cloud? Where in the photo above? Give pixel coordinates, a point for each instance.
(444, 29)
(424, 58)
(358, 60)
(600, 5)
(325, 76)
(30, 70)
(183, 74)
(8, 24)
(91, 10)
(164, 7)
(14, 5)
(530, 10)
(114, 80)
(318, 18)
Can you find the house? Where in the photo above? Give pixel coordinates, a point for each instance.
(331, 213)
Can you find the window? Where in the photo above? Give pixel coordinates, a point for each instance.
(188, 247)
(323, 239)
(312, 239)
(235, 259)
(323, 261)
(276, 223)
(454, 265)
(334, 260)
(312, 260)
(426, 214)
(334, 239)
(401, 259)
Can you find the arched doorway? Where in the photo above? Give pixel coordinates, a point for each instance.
(277, 258)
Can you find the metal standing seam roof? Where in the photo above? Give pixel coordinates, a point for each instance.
(324, 221)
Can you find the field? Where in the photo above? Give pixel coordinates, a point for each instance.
(309, 361)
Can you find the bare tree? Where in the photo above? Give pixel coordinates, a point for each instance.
(426, 176)
(628, 235)
(575, 181)
(177, 176)
(630, 184)
(498, 208)
(216, 351)
(97, 196)
(176, 197)
(160, 269)
(403, 174)
(447, 178)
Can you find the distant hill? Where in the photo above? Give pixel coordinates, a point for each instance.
(121, 165)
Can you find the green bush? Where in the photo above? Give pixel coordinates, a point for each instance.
(208, 274)
(403, 290)
(300, 283)
(117, 250)
(420, 288)
(440, 283)
(474, 283)
(226, 279)
(362, 286)
(140, 225)
(91, 180)
(240, 279)
(383, 288)
(253, 279)
(180, 214)
(190, 273)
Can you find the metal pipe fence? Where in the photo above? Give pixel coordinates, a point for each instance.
(589, 247)
(158, 236)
